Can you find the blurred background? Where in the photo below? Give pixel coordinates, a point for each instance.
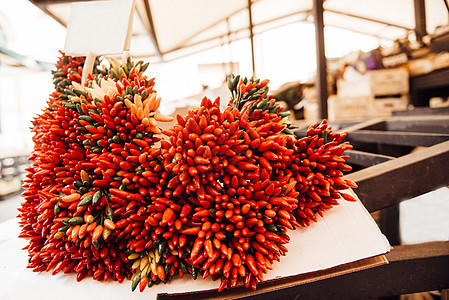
(371, 53)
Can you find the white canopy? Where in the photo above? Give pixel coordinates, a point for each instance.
(173, 28)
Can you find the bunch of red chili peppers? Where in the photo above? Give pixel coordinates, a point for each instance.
(107, 196)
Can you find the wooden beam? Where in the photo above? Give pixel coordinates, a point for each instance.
(433, 124)
(348, 126)
(368, 124)
(411, 269)
(42, 5)
(421, 111)
(337, 125)
(403, 178)
(321, 63)
(366, 159)
(401, 138)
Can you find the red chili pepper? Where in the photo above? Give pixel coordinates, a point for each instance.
(348, 197)
(350, 183)
(274, 237)
(182, 240)
(97, 232)
(192, 126)
(251, 264)
(246, 166)
(167, 216)
(259, 248)
(143, 283)
(196, 247)
(161, 273)
(201, 160)
(209, 247)
(71, 198)
(270, 155)
(223, 284)
(109, 224)
(227, 267)
(236, 261)
(201, 213)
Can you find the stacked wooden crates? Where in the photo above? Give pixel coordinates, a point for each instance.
(377, 94)
(389, 91)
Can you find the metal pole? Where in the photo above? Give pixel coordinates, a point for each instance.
(420, 19)
(251, 37)
(321, 72)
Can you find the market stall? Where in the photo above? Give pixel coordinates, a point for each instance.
(227, 203)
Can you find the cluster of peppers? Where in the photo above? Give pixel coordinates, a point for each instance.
(107, 196)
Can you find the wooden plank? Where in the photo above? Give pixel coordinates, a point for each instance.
(432, 124)
(420, 111)
(401, 138)
(337, 125)
(366, 159)
(271, 285)
(403, 178)
(368, 124)
(350, 126)
(411, 269)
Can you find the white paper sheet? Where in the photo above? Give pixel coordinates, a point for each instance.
(99, 27)
(346, 233)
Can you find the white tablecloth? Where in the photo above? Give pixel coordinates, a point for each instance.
(346, 233)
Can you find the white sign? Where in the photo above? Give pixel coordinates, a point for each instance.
(99, 27)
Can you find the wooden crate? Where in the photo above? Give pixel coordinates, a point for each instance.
(362, 108)
(388, 82)
(385, 106)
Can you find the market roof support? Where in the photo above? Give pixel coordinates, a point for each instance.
(251, 36)
(150, 28)
(321, 76)
(420, 19)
